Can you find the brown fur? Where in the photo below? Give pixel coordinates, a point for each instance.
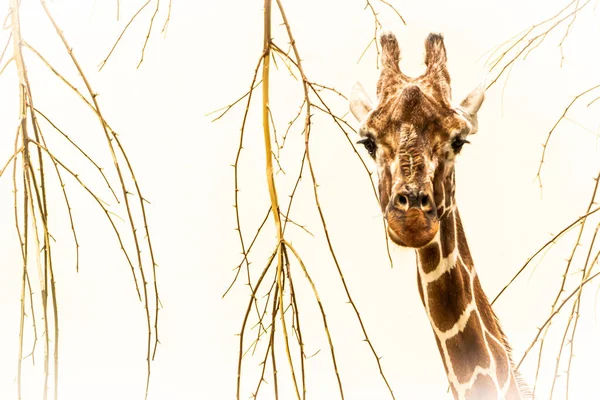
(448, 298)
(468, 351)
(447, 232)
(430, 257)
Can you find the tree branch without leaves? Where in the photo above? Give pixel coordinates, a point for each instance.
(30, 160)
(280, 296)
(501, 60)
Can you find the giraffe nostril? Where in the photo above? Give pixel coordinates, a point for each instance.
(402, 201)
(407, 199)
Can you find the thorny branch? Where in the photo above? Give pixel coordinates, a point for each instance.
(501, 60)
(134, 17)
(32, 191)
(521, 45)
(561, 291)
(281, 297)
(563, 116)
(378, 27)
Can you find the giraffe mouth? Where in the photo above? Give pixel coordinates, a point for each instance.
(412, 228)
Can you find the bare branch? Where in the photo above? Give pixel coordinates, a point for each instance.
(149, 31)
(548, 243)
(566, 110)
(529, 40)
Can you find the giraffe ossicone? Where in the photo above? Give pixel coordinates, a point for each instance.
(414, 133)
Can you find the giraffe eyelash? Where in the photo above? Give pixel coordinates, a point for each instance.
(369, 144)
(457, 144)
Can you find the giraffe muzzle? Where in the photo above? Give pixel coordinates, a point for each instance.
(412, 218)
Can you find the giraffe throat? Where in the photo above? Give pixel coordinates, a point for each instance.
(473, 348)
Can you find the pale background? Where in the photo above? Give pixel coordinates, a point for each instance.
(183, 164)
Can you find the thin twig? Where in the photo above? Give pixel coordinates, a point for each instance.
(548, 243)
(545, 145)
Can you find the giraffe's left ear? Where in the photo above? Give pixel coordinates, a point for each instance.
(360, 104)
(471, 104)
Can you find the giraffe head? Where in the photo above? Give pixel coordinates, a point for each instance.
(414, 134)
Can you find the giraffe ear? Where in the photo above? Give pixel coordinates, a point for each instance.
(471, 104)
(360, 104)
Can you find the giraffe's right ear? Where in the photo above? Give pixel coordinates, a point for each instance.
(360, 104)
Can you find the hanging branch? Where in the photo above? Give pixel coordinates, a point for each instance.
(560, 119)
(157, 8)
(521, 45)
(35, 209)
(561, 291)
(377, 28)
(30, 158)
(503, 59)
(278, 310)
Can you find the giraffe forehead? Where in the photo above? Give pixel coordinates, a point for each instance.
(398, 137)
(393, 133)
(406, 140)
(413, 107)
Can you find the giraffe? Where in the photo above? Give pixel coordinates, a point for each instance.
(414, 134)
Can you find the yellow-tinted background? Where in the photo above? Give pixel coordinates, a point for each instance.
(183, 164)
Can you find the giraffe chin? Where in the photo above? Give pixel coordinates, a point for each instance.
(412, 228)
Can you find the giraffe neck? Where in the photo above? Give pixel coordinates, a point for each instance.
(473, 348)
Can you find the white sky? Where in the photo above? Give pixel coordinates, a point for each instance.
(182, 162)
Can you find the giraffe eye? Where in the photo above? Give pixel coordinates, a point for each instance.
(458, 143)
(369, 146)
